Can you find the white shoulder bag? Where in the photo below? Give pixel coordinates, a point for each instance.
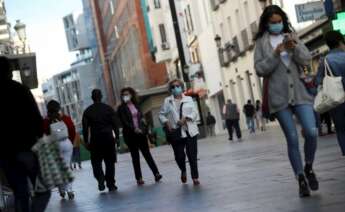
(331, 93)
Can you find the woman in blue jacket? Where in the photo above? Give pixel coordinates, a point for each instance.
(336, 61)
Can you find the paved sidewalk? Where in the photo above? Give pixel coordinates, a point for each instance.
(253, 175)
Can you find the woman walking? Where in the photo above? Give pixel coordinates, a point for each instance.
(179, 115)
(335, 59)
(57, 121)
(278, 57)
(260, 120)
(135, 133)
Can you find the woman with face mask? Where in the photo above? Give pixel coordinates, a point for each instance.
(135, 133)
(179, 117)
(279, 56)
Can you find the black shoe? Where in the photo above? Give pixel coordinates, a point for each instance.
(312, 180)
(112, 188)
(63, 195)
(101, 186)
(183, 177)
(70, 195)
(158, 177)
(303, 187)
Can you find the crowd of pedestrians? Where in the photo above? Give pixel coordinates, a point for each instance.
(279, 56)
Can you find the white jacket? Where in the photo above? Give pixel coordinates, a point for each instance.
(170, 113)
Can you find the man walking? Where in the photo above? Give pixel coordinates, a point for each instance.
(232, 118)
(249, 111)
(210, 122)
(99, 124)
(22, 126)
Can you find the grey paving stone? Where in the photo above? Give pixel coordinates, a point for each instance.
(251, 176)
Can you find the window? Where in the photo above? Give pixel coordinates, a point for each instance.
(215, 4)
(157, 4)
(230, 27)
(190, 18)
(164, 39)
(222, 31)
(247, 13)
(111, 7)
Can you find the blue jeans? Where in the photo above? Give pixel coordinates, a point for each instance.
(250, 124)
(306, 116)
(338, 115)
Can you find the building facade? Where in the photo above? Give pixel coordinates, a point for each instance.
(5, 31)
(125, 52)
(73, 87)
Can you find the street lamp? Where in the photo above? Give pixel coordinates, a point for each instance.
(20, 28)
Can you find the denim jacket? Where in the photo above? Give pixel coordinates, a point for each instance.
(336, 61)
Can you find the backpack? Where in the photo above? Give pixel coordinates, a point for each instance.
(58, 131)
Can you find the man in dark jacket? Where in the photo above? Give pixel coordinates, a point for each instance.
(211, 123)
(22, 126)
(249, 111)
(232, 118)
(99, 126)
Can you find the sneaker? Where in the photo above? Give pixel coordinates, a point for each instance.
(196, 182)
(63, 195)
(101, 186)
(158, 177)
(140, 182)
(112, 188)
(303, 187)
(312, 180)
(70, 195)
(183, 177)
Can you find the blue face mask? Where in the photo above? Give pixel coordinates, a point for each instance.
(177, 90)
(276, 28)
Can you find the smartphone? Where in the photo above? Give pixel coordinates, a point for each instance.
(286, 38)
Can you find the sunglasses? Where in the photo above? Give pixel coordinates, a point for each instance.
(175, 86)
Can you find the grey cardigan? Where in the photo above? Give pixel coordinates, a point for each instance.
(284, 84)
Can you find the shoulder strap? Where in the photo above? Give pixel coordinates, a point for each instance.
(181, 110)
(328, 70)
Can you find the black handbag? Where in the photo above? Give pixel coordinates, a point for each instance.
(174, 135)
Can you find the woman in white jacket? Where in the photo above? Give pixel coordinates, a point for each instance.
(178, 116)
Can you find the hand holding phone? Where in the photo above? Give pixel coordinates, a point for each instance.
(289, 42)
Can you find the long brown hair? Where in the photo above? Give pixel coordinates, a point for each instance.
(133, 93)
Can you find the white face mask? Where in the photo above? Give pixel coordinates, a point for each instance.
(126, 98)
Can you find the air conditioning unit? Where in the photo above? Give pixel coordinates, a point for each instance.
(165, 46)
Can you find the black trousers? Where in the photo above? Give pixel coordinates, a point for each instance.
(187, 146)
(230, 125)
(138, 142)
(326, 117)
(18, 170)
(104, 152)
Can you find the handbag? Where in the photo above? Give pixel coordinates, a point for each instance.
(53, 170)
(331, 93)
(59, 131)
(174, 135)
